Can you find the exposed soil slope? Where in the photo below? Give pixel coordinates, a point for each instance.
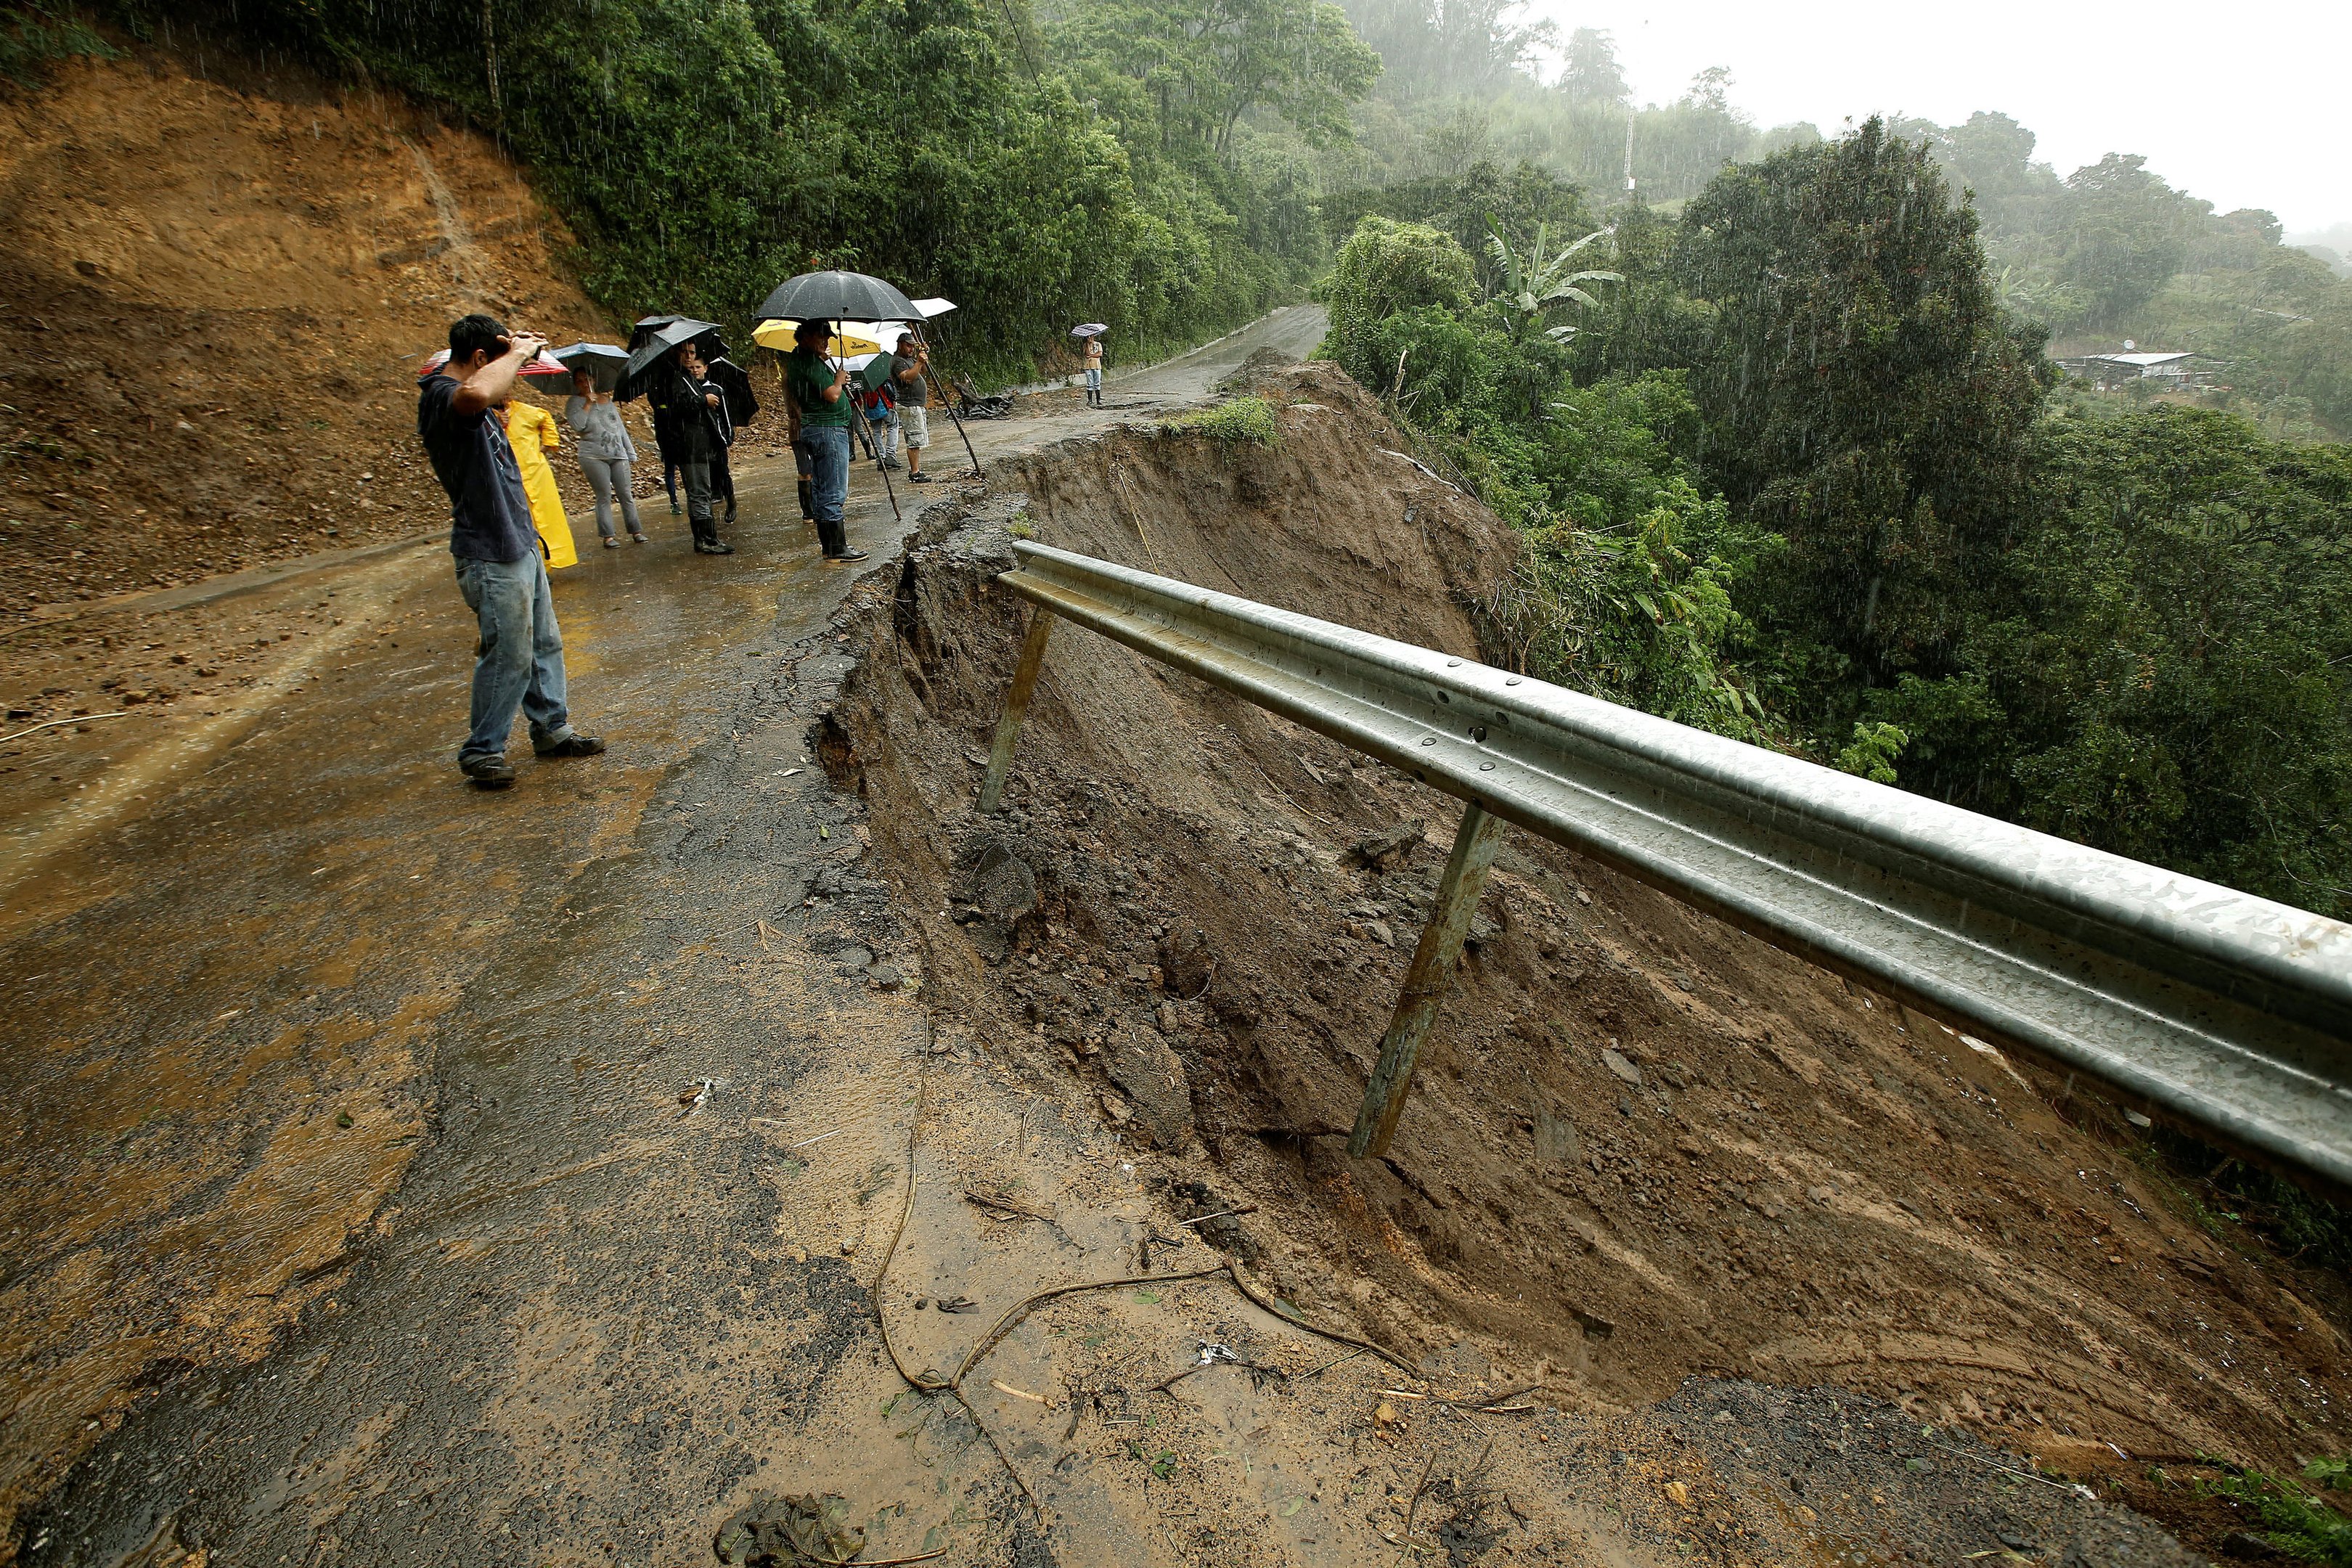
(1643, 1146)
(220, 285)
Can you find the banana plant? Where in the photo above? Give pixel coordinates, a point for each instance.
(1534, 283)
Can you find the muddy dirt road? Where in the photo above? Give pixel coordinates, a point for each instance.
(395, 1173)
(243, 936)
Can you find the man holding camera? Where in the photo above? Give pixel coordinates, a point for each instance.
(518, 660)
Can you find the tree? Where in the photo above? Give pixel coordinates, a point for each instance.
(2164, 668)
(1535, 281)
(1590, 73)
(1864, 397)
(1711, 89)
(1443, 48)
(1991, 157)
(1385, 269)
(2127, 232)
(1205, 63)
(1297, 58)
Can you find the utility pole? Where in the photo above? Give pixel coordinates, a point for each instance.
(1629, 152)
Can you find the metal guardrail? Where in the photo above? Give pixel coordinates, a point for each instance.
(2222, 1012)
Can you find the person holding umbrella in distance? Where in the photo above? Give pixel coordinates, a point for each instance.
(1092, 332)
(817, 392)
(519, 661)
(657, 398)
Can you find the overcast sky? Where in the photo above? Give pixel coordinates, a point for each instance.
(2245, 105)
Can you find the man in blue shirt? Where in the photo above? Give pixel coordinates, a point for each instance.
(520, 660)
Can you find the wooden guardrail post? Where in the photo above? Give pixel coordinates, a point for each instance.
(1426, 981)
(1016, 703)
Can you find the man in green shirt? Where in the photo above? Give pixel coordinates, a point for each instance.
(816, 393)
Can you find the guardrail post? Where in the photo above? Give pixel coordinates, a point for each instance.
(1016, 703)
(1426, 983)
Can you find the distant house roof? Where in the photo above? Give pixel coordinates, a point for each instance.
(2142, 360)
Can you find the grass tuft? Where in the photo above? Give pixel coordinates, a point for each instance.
(1247, 419)
(2299, 1525)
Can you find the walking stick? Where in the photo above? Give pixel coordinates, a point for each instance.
(949, 403)
(857, 412)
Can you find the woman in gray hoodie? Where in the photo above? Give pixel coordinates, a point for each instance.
(605, 452)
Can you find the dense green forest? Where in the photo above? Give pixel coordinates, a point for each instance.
(2111, 252)
(1148, 163)
(1799, 472)
(2107, 253)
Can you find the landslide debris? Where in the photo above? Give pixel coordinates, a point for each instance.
(1643, 1147)
(224, 276)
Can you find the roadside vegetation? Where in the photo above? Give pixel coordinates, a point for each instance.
(1237, 419)
(1797, 473)
(1143, 162)
(2294, 1523)
(34, 38)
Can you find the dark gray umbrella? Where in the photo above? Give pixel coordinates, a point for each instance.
(659, 343)
(645, 326)
(604, 361)
(837, 296)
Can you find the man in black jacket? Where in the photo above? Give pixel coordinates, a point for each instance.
(742, 409)
(700, 432)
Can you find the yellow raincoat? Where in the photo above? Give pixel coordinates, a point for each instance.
(532, 432)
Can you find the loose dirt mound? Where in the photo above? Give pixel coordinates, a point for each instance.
(1643, 1146)
(220, 289)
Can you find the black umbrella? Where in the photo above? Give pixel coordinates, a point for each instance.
(645, 326)
(659, 343)
(837, 296)
(603, 361)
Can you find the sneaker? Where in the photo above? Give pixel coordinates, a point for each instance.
(612, 544)
(575, 744)
(488, 772)
(637, 538)
(713, 547)
(918, 478)
(676, 509)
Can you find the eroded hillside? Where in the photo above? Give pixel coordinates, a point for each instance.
(1643, 1147)
(219, 284)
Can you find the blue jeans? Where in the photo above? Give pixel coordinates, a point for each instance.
(519, 661)
(828, 449)
(1093, 378)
